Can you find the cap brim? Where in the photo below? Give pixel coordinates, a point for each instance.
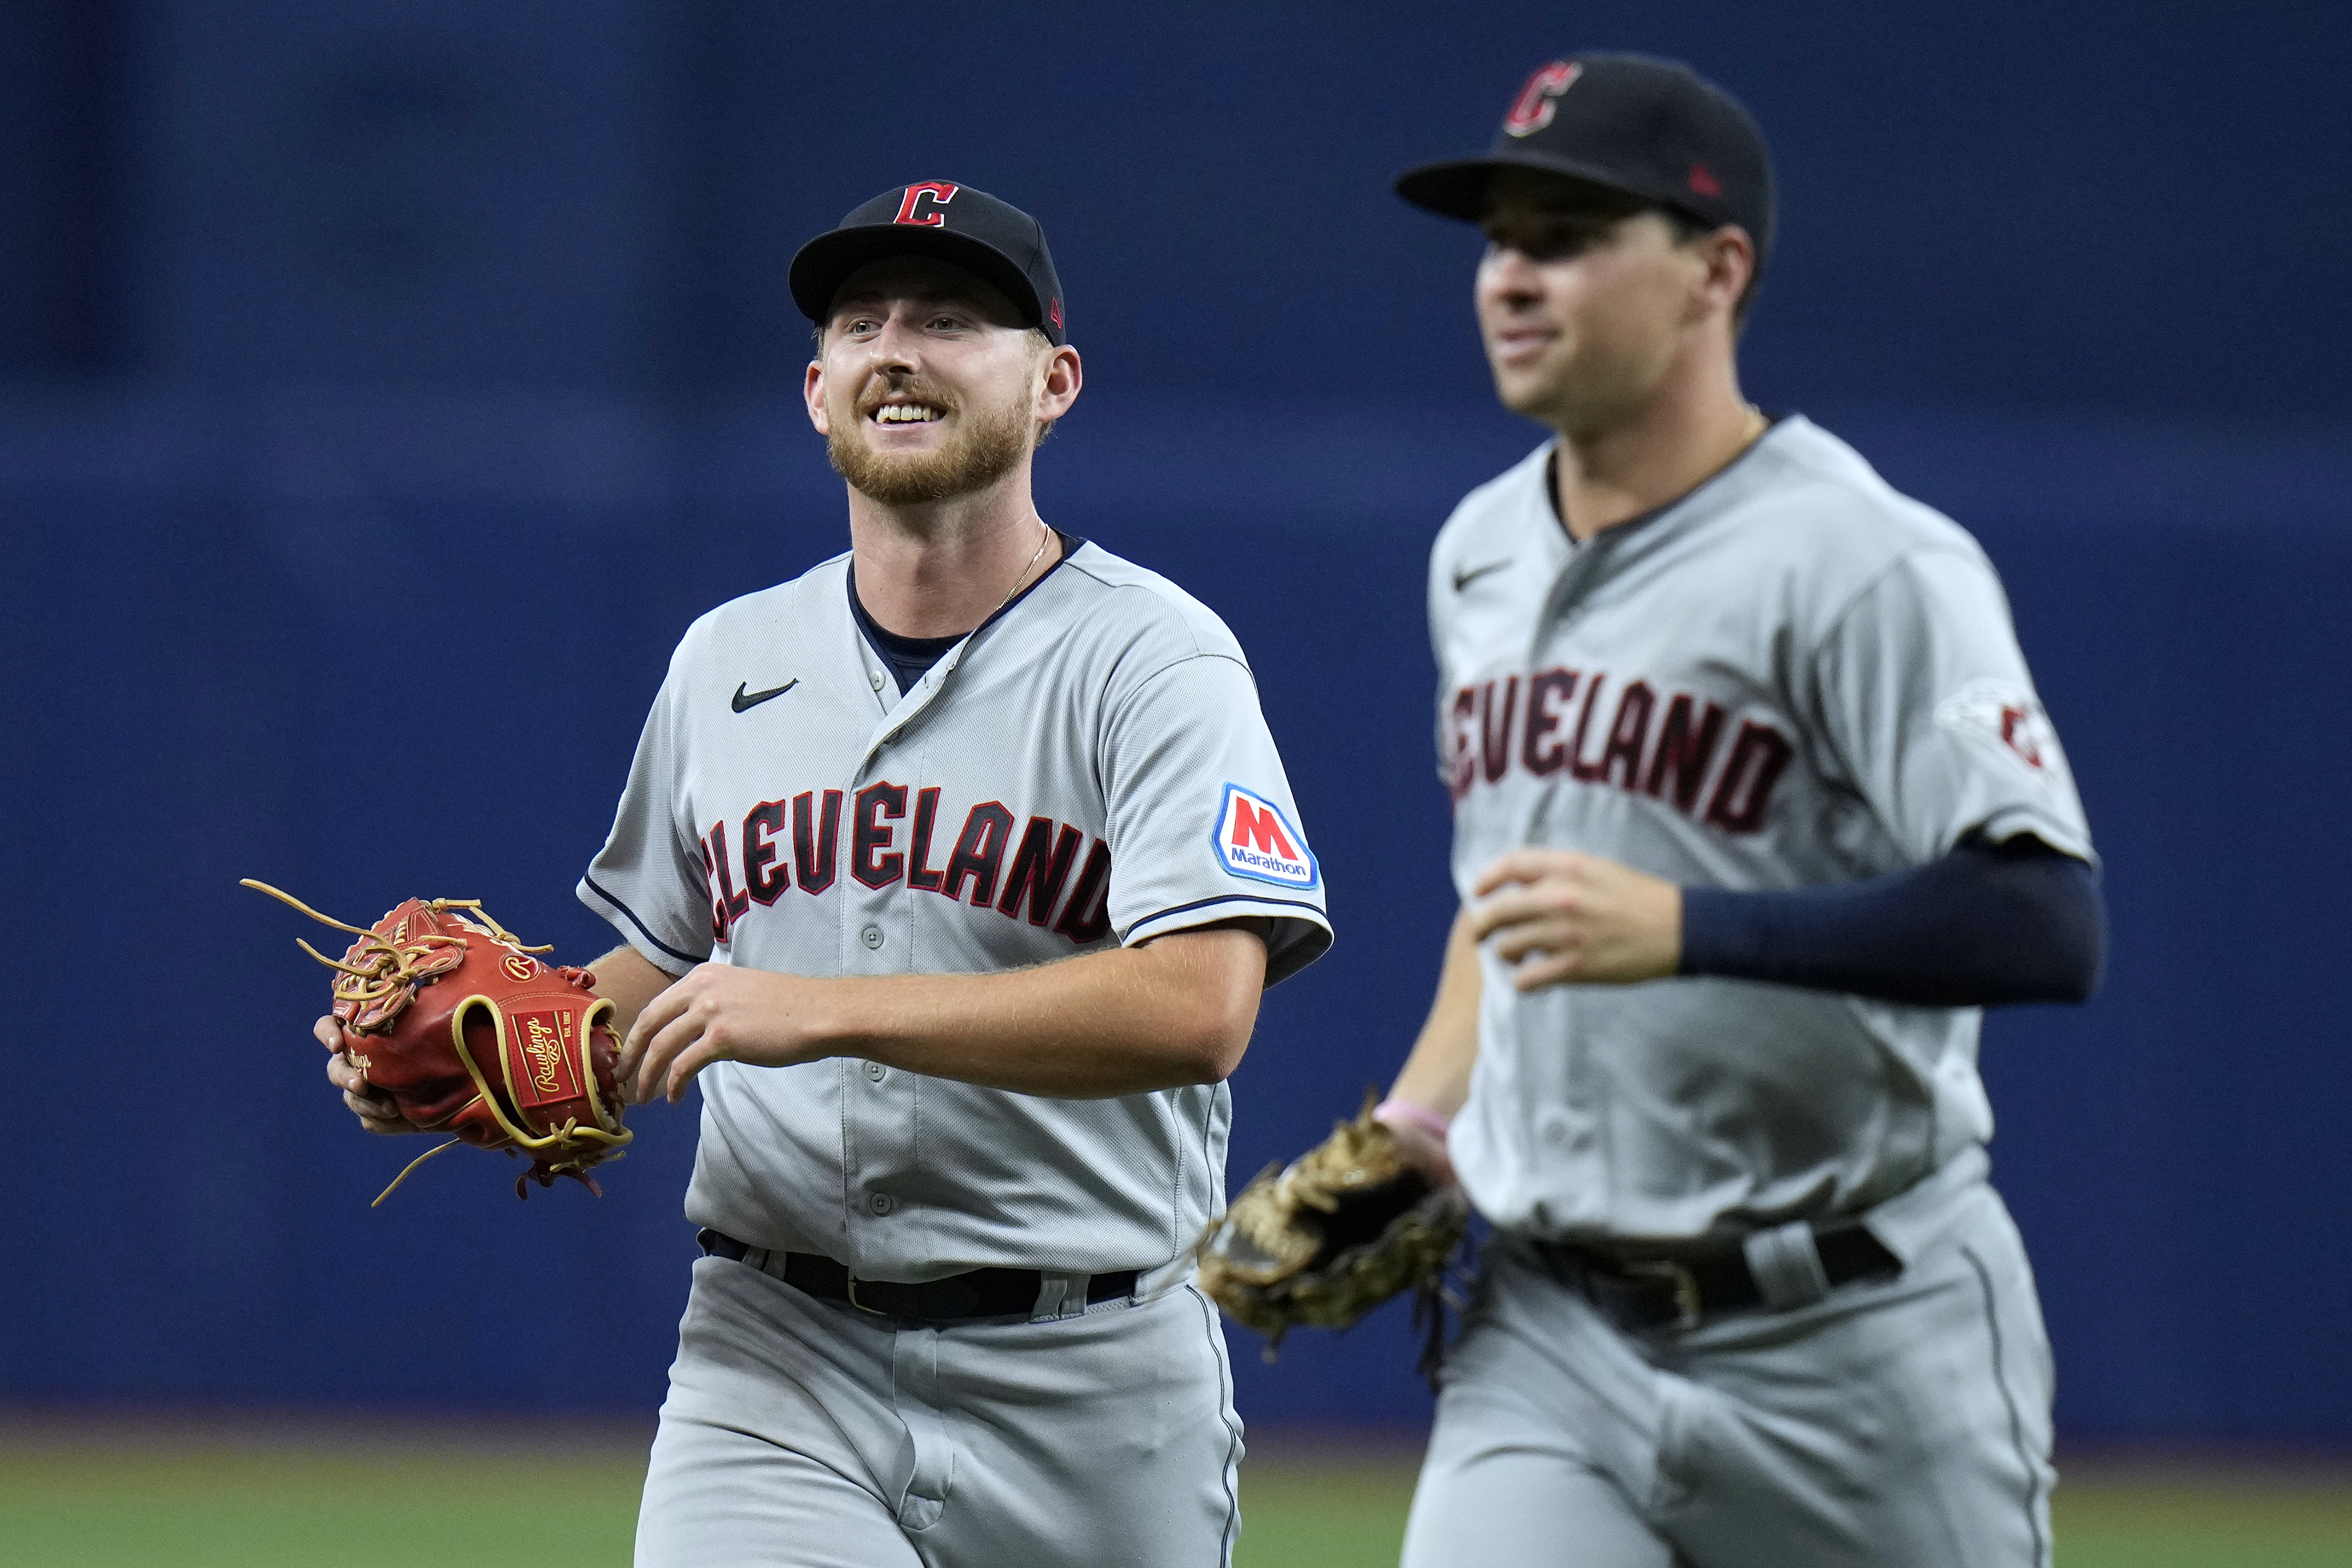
(822, 266)
(1458, 189)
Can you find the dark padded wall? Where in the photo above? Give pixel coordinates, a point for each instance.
(446, 375)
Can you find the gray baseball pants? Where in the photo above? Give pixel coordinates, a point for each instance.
(805, 1433)
(1898, 1422)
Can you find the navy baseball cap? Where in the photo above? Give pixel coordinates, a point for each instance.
(993, 240)
(1651, 129)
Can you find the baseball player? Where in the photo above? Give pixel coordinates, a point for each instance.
(1755, 808)
(951, 870)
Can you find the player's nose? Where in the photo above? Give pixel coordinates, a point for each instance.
(1509, 274)
(896, 347)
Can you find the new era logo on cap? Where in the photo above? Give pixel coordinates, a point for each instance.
(1255, 840)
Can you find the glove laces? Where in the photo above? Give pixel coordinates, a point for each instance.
(378, 985)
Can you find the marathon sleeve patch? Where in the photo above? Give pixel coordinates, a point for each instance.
(1255, 840)
(1171, 747)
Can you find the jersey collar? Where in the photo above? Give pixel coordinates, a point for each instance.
(1551, 486)
(897, 714)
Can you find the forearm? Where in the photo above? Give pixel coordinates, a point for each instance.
(628, 979)
(1173, 1012)
(1437, 1074)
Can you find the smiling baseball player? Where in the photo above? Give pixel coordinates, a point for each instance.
(1755, 808)
(952, 870)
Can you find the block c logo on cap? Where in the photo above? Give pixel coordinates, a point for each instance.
(1255, 840)
(1532, 110)
(921, 206)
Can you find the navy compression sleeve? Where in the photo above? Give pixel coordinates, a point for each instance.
(1986, 924)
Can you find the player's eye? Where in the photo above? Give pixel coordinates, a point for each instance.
(1556, 238)
(1547, 244)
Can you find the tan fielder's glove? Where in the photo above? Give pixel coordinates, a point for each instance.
(1331, 1236)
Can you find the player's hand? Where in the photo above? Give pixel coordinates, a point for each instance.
(1558, 916)
(371, 1105)
(719, 1013)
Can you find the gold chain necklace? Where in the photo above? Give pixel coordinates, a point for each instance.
(1046, 538)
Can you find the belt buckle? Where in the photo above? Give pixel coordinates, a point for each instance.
(861, 1306)
(1683, 1282)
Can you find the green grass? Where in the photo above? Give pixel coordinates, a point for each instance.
(2218, 1519)
(131, 1498)
(1322, 1513)
(1338, 1514)
(270, 1507)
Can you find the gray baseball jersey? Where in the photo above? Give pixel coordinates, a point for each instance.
(1794, 675)
(1090, 767)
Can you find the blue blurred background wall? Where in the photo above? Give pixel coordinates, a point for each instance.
(385, 383)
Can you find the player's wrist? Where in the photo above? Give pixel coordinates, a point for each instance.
(1394, 1113)
(1420, 1132)
(843, 1016)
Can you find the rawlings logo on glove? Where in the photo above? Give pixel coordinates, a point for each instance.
(450, 1014)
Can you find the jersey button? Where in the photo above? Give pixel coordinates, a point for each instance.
(875, 675)
(1556, 1132)
(875, 1071)
(881, 1203)
(871, 936)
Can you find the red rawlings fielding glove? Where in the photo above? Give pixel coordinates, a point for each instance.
(447, 1013)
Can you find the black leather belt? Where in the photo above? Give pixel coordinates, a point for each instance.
(981, 1293)
(1681, 1289)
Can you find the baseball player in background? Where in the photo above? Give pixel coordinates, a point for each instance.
(952, 870)
(1755, 810)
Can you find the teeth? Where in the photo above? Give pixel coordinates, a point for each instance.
(905, 414)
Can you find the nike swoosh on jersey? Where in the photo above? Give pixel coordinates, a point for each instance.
(1462, 579)
(743, 701)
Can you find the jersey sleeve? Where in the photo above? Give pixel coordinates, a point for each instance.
(1202, 827)
(1924, 696)
(649, 880)
(1441, 637)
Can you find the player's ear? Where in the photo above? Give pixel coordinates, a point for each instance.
(1058, 386)
(813, 394)
(1730, 258)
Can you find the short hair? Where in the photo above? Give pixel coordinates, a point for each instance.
(1689, 229)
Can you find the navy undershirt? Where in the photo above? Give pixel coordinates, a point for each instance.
(1986, 924)
(908, 659)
